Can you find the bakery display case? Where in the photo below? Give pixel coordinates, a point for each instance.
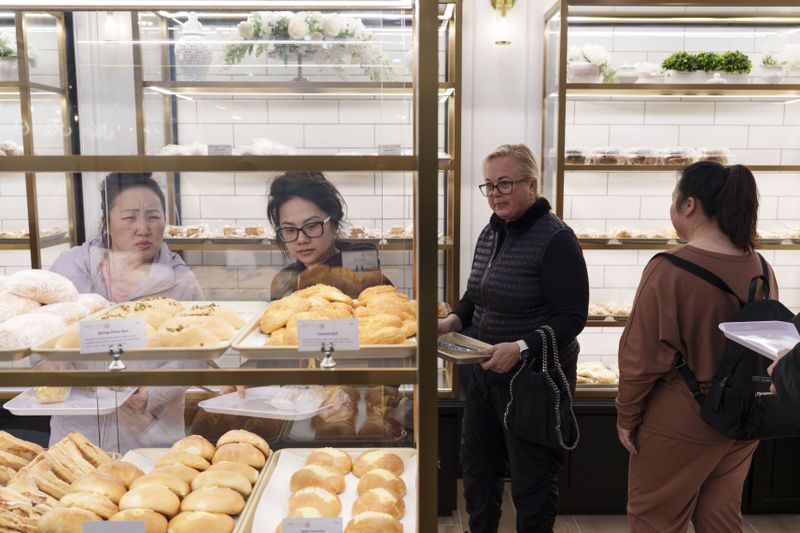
(213, 111)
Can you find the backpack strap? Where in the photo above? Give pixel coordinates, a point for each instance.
(691, 381)
(701, 273)
(764, 276)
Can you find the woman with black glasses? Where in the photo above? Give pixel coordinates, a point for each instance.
(528, 271)
(307, 212)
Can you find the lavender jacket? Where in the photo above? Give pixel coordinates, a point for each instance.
(162, 421)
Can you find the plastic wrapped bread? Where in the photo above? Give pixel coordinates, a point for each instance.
(12, 305)
(70, 311)
(42, 286)
(27, 330)
(92, 302)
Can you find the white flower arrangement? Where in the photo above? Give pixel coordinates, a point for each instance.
(650, 70)
(331, 38)
(593, 54)
(791, 55)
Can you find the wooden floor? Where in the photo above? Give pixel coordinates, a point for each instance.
(458, 523)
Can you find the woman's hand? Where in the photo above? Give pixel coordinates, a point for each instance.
(502, 358)
(138, 400)
(627, 440)
(772, 367)
(449, 323)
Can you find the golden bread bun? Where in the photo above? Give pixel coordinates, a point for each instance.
(199, 521)
(324, 501)
(94, 503)
(154, 497)
(222, 478)
(278, 313)
(123, 471)
(384, 335)
(317, 476)
(183, 337)
(332, 294)
(378, 459)
(244, 437)
(302, 512)
(215, 310)
(161, 479)
(176, 470)
(163, 304)
(63, 520)
(212, 324)
(153, 522)
(373, 319)
(277, 338)
(409, 328)
(183, 458)
(107, 486)
(214, 500)
(195, 444)
(12, 461)
(240, 468)
(382, 501)
(383, 479)
(370, 522)
(240, 453)
(332, 458)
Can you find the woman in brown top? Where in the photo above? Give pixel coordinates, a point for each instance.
(682, 470)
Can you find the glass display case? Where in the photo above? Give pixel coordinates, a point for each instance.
(188, 114)
(633, 92)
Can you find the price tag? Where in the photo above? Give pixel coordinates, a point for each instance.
(341, 333)
(97, 336)
(114, 527)
(360, 260)
(220, 149)
(312, 525)
(390, 149)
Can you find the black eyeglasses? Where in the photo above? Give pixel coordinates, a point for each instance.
(312, 230)
(502, 186)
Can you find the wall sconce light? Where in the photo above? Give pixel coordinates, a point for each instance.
(502, 24)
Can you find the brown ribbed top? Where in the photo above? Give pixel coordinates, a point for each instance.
(675, 312)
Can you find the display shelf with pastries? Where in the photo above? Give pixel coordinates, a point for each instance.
(787, 91)
(20, 240)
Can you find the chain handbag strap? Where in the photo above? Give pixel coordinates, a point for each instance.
(556, 391)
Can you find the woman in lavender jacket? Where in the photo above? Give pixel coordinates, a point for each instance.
(130, 261)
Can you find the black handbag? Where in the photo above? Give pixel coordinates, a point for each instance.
(540, 405)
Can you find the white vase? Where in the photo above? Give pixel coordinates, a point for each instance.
(698, 76)
(9, 69)
(772, 73)
(192, 53)
(583, 72)
(731, 77)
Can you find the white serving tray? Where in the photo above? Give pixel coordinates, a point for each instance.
(272, 506)
(14, 354)
(250, 344)
(256, 403)
(767, 338)
(79, 403)
(249, 310)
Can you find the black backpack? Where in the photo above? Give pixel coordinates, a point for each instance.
(739, 404)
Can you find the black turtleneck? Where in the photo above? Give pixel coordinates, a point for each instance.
(564, 277)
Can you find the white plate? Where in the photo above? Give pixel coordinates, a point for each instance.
(256, 403)
(79, 402)
(767, 338)
(272, 508)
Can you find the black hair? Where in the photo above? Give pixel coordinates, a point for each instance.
(117, 182)
(729, 195)
(311, 186)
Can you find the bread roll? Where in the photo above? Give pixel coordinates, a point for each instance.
(175, 484)
(244, 437)
(71, 312)
(212, 324)
(278, 313)
(196, 521)
(214, 500)
(94, 503)
(381, 478)
(370, 522)
(153, 521)
(153, 497)
(47, 395)
(29, 330)
(63, 520)
(240, 468)
(382, 501)
(164, 304)
(240, 453)
(195, 444)
(183, 458)
(183, 337)
(222, 478)
(179, 471)
(378, 459)
(41, 285)
(21, 448)
(317, 476)
(215, 310)
(332, 458)
(123, 471)
(10, 460)
(107, 486)
(324, 501)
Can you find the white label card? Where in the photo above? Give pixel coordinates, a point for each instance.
(220, 149)
(114, 527)
(390, 149)
(341, 333)
(98, 336)
(360, 260)
(312, 525)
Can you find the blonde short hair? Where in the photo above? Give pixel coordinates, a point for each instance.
(526, 162)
